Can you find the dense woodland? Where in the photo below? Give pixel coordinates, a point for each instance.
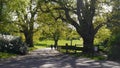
(97, 22)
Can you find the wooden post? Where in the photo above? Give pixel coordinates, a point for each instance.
(66, 47)
(75, 49)
(71, 42)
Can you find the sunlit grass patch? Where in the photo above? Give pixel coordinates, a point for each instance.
(36, 46)
(6, 55)
(47, 43)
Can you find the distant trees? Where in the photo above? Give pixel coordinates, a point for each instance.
(51, 28)
(71, 34)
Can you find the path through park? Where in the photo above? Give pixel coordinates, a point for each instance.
(47, 58)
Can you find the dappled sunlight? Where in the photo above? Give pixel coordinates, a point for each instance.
(110, 64)
(48, 58)
(47, 65)
(87, 62)
(73, 27)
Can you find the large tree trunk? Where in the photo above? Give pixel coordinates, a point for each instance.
(88, 45)
(87, 32)
(29, 39)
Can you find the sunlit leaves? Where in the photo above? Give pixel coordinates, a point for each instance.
(103, 34)
(18, 4)
(114, 18)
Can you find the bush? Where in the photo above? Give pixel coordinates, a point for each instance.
(114, 53)
(12, 44)
(114, 47)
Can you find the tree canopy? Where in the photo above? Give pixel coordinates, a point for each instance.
(81, 14)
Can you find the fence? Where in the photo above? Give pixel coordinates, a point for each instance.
(67, 48)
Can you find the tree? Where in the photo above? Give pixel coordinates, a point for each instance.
(85, 11)
(24, 16)
(51, 28)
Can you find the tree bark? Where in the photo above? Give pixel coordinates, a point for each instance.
(29, 39)
(55, 43)
(88, 45)
(87, 32)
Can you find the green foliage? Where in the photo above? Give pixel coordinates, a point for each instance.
(5, 28)
(14, 5)
(114, 47)
(4, 55)
(51, 28)
(32, 48)
(103, 34)
(114, 24)
(4, 15)
(24, 17)
(71, 34)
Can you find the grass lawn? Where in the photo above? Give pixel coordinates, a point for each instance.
(6, 55)
(47, 43)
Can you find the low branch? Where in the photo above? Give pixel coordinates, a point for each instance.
(98, 27)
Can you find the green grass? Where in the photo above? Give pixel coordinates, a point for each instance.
(37, 46)
(47, 43)
(63, 42)
(100, 57)
(32, 48)
(6, 55)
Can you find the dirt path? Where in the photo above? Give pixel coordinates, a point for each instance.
(47, 58)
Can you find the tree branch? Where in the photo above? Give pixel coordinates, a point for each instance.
(72, 22)
(79, 10)
(92, 9)
(98, 27)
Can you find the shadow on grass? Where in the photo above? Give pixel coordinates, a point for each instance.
(81, 54)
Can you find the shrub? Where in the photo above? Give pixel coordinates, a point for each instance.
(12, 44)
(114, 47)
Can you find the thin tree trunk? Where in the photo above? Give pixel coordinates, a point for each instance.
(55, 43)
